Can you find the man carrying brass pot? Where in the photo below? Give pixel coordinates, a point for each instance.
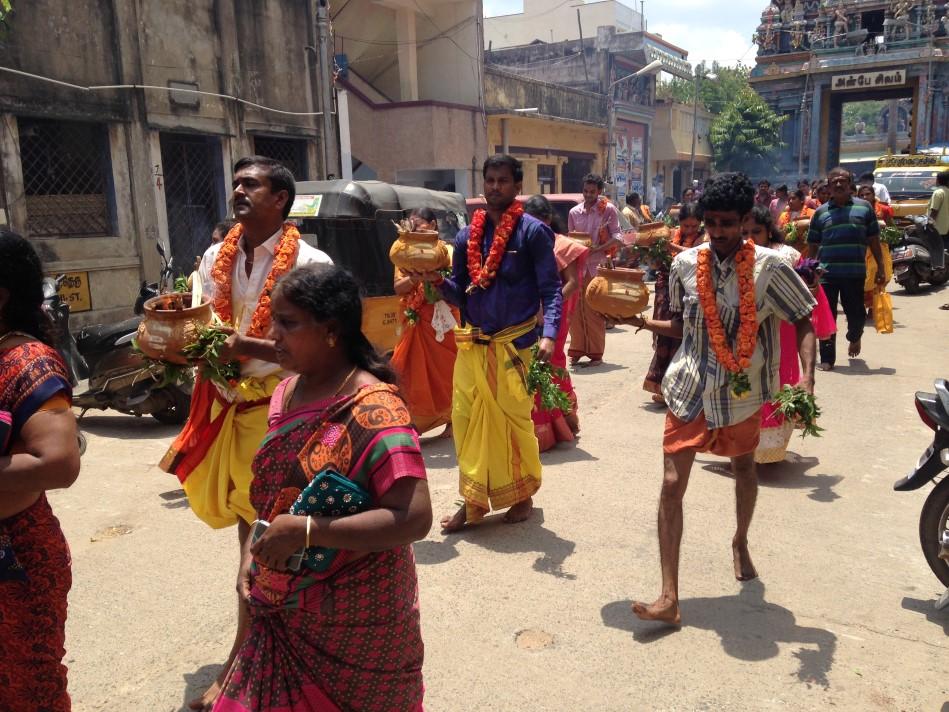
(503, 267)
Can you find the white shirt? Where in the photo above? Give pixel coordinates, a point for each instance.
(881, 193)
(245, 291)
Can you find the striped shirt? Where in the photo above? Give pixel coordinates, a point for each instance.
(695, 380)
(843, 233)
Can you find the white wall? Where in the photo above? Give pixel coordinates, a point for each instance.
(556, 21)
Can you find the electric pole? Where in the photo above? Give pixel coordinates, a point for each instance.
(325, 68)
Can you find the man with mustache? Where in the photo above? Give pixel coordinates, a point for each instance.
(212, 455)
(503, 268)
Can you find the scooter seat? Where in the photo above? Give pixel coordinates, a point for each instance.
(102, 336)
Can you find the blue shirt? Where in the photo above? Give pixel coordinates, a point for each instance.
(843, 232)
(526, 279)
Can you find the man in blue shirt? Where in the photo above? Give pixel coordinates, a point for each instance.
(509, 273)
(840, 232)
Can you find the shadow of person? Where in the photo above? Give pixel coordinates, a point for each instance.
(858, 367)
(494, 534)
(560, 455)
(749, 627)
(127, 427)
(928, 609)
(791, 473)
(197, 682)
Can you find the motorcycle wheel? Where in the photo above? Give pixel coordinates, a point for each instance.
(940, 277)
(911, 284)
(933, 521)
(80, 436)
(176, 408)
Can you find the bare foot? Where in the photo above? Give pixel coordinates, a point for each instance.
(454, 522)
(657, 398)
(854, 349)
(519, 512)
(665, 609)
(744, 569)
(206, 701)
(826, 367)
(595, 362)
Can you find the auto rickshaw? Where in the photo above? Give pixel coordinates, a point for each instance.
(354, 222)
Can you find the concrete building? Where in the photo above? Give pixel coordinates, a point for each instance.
(557, 132)
(672, 147)
(411, 91)
(95, 177)
(593, 65)
(554, 21)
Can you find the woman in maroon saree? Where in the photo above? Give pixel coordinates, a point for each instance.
(348, 637)
(39, 451)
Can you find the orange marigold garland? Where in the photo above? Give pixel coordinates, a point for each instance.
(222, 273)
(735, 363)
(483, 275)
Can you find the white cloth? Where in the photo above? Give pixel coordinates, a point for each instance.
(245, 291)
(881, 192)
(443, 320)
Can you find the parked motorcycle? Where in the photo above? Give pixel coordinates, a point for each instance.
(108, 371)
(933, 409)
(913, 256)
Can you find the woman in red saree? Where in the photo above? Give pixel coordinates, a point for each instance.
(424, 358)
(39, 451)
(346, 637)
(554, 426)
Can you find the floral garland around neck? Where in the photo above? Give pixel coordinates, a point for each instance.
(734, 363)
(222, 273)
(483, 275)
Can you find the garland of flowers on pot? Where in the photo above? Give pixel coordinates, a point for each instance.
(483, 275)
(222, 273)
(734, 363)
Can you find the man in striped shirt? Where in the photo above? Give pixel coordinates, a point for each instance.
(704, 415)
(840, 232)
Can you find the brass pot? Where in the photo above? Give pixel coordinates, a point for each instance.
(419, 252)
(170, 324)
(582, 237)
(618, 291)
(651, 233)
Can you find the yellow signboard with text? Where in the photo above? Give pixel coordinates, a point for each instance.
(74, 291)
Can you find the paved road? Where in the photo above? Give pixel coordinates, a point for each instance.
(536, 616)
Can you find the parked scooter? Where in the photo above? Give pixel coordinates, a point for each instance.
(116, 375)
(933, 409)
(913, 256)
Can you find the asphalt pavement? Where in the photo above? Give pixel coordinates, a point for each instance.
(536, 616)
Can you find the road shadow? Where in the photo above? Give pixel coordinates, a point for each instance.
(127, 427)
(926, 290)
(174, 499)
(561, 455)
(928, 609)
(604, 367)
(749, 628)
(858, 367)
(493, 534)
(197, 682)
(789, 474)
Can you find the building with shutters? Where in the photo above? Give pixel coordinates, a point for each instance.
(94, 177)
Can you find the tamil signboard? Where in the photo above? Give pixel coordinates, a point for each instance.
(869, 80)
(74, 290)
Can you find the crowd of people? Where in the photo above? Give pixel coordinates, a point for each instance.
(328, 615)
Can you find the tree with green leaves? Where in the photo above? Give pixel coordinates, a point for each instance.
(746, 135)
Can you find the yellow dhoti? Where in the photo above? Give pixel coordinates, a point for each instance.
(497, 450)
(226, 437)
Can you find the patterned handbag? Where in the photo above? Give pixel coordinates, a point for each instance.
(329, 494)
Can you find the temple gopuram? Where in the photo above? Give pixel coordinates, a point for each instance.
(815, 58)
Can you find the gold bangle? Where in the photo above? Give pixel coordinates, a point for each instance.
(308, 522)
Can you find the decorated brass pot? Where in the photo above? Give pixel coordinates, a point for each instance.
(651, 233)
(171, 323)
(419, 252)
(618, 292)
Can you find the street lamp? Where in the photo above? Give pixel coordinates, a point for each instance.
(652, 68)
(695, 117)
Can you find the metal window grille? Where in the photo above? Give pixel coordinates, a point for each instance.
(65, 175)
(291, 152)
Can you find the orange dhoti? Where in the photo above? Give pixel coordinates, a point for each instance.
(730, 441)
(587, 329)
(425, 366)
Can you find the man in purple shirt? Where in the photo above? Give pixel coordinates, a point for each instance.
(599, 219)
(498, 456)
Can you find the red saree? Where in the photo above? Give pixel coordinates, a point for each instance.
(35, 569)
(551, 426)
(348, 638)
